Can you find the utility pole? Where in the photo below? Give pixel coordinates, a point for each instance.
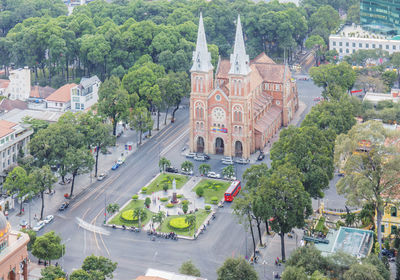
(105, 208)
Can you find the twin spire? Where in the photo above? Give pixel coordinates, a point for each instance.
(202, 58)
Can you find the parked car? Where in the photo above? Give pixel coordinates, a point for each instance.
(101, 176)
(115, 166)
(212, 174)
(231, 178)
(172, 169)
(227, 161)
(242, 161)
(190, 172)
(190, 155)
(261, 156)
(207, 157)
(121, 160)
(63, 206)
(39, 226)
(48, 219)
(199, 158)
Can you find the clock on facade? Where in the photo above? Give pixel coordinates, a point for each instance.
(218, 114)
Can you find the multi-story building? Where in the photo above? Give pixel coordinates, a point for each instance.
(60, 100)
(19, 86)
(236, 112)
(13, 252)
(13, 137)
(351, 38)
(381, 16)
(84, 95)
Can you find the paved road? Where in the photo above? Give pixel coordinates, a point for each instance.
(134, 252)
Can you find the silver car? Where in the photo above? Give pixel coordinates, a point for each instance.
(199, 158)
(190, 155)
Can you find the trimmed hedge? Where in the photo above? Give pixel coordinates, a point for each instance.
(214, 199)
(135, 197)
(179, 195)
(127, 216)
(207, 207)
(169, 205)
(179, 223)
(144, 190)
(164, 199)
(185, 202)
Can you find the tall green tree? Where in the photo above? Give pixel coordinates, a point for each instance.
(100, 266)
(17, 182)
(371, 165)
(52, 272)
(318, 45)
(188, 268)
(48, 247)
(236, 269)
(290, 204)
(187, 166)
(113, 101)
(140, 118)
(204, 168)
(78, 161)
(228, 171)
(163, 163)
(42, 179)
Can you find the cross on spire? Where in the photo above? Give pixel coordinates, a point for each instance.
(201, 56)
(240, 63)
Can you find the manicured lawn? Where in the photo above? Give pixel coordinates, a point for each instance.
(212, 188)
(201, 215)
(132, 206)
(166, 178)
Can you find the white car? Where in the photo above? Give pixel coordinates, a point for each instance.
(101, 176)
(190, 155)
(190, 172)
(39, 226)
(231, 178)
(121, 161)
(212, 174)
(227, 161)
(48, 219)
(242, 161)
(199, 158)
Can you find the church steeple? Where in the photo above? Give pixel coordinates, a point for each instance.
(240, 63)
(201, 56)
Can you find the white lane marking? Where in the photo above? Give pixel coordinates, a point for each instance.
(92, 228)
(166, 149)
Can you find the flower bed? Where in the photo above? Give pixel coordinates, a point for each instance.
(212, 189)
(169, 205)
(128, 216)
(178, 224)
(164, 199)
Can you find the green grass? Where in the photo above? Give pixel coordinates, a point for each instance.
(201, 215)
(132, 205)
(210, 192)
(157, 184)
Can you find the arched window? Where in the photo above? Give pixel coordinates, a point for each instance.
(239, 87)
(393, 211)
(235, 116)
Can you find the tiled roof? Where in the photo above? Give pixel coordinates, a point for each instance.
(6, 127)
(63, 94)
(87, 82)
(4, 83)
(41, 92)
(223, 69)
(268, 118)
(262, 58)
(271, 72)
(8, 105)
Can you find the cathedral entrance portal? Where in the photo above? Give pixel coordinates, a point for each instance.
(238, 149)
(200, 145)
(219, 146)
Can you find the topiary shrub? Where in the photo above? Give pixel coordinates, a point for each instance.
(165, 187)
(185, 208)
(214, 199)
(200, 191)
(169, 205)
(164, 199)
(144, 190)
(135, 197)
(207, 207)
(185, 202)
(179, 195)
(147, 202)
(178, 224)
(127, 216)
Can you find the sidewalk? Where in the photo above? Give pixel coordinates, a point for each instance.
(52, 202)
(267, 256)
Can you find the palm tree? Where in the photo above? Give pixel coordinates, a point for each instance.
(164, 163)
(187, 166)
(228, 171)
(191, 220)
(112, 208)
(159, 217)
(140, 213)
(204, 168)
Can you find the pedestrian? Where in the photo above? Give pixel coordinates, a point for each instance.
(35, 217)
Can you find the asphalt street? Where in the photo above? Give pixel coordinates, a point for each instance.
(134, 252)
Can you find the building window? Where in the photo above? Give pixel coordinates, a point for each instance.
(382, 228)
(393, 211)
(367, 46)
(354, 45)
(387, 47)
(354, 51)
(77, 106)
(334, 43)
(8, 152)
(347, 50)
(340, 50)
(340, 44)
(347, 44)
(373, 46)
(278, 102)
(360, 45)
(218, 97)
(393, 230)
(82, 106)
(380, 46)
(394, 47)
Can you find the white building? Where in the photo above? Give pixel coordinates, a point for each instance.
(13, 137)
(352, 38)
(19, 86)
(60, 100)
(375, 98)
(84, 95)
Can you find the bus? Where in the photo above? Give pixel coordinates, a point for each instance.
(232, 191)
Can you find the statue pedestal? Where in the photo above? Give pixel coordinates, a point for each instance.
(174, 199)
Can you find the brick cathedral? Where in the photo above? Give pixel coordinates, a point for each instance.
(237, 111)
